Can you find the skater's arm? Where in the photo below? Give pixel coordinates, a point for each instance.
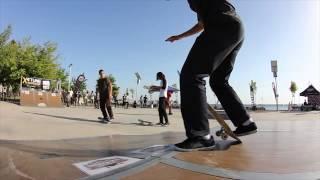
(194, 30)
(157, 88)
(110, 89)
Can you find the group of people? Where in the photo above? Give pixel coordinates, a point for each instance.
(79, 98)
(104, 87)
(143, 101)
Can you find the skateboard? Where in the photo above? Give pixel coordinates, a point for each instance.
(145, 123)
(225, 130)
(103, 120)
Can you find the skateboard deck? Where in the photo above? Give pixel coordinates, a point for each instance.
(102, 120)
(145, 123)
(225, 129)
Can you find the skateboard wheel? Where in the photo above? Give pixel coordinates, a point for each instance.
(224, 136)
(218, 133)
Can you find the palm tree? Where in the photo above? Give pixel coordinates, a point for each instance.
(293, 88)
(253, 91)
(115, 88)
(132, 92)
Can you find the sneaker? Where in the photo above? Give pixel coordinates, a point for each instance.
(166, 124)
(195, 144)
(159, 124)
(246, 130)
(104, 119)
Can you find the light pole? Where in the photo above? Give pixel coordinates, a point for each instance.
(138, 81)
(274, 69)
(69, 83)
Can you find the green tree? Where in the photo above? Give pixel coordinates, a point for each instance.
(132, 92)
(5, 35)
(25, 59)
(83, 85)
(115, 88)
(293, 88)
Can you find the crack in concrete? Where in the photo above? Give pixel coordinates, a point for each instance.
(13, 167)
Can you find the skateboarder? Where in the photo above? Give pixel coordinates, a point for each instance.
(104, 86)
(145, 101)
(169, 102)
(163, 88)
(213, 54)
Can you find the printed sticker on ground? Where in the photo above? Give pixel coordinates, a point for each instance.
(103, 165)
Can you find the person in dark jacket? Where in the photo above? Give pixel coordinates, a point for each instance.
(104, 86)
(213, 54)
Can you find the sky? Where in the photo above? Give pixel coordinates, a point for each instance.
(128, 36)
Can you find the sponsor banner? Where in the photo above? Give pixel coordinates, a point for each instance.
(104, 165)
(36, 83)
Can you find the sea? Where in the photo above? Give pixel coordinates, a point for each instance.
(268, 107)
(272, 107)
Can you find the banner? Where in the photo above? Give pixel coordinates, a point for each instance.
(36, 83)
(45, 84)
(31, 82)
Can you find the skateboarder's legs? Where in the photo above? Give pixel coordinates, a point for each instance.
(207, 54)
(103, 102)
(225, 93)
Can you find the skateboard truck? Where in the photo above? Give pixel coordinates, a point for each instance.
(225, 131)
(221, 133)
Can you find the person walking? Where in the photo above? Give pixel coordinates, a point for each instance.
(104, 86)
(213, 54)
(163, 88)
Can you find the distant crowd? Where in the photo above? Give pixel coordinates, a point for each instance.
(91, 98)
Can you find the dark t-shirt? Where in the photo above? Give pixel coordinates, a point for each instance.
(212, 10)
(103, 86)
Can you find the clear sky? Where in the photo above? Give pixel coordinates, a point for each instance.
(127, 36)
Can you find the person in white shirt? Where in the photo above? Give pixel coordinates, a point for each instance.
(163, 88)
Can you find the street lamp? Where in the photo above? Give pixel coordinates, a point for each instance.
(274, 69)
(69, 84)
(138, 81)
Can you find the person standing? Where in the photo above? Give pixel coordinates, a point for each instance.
(163, 88)
(169, 102)
(213, 54)
(96, 99)
(104, 86)
(86, 98)
(115, 100)
(141, 101)
(145, 101)
(125, 103)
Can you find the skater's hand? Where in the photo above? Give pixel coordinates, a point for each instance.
(173, 38)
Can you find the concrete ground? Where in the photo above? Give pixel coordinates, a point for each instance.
(43, 143)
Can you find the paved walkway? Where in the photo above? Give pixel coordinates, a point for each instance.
(38, 143)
